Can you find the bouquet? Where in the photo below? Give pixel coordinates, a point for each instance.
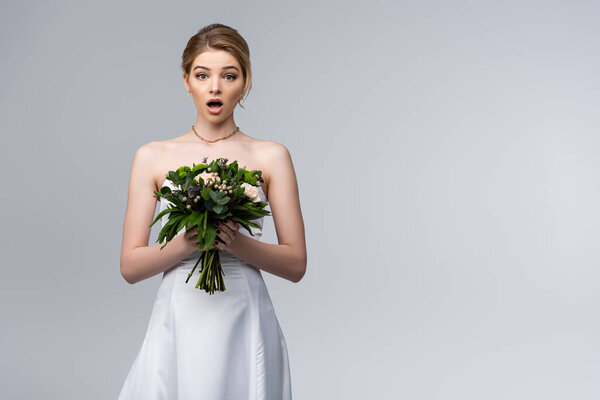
(210, 192)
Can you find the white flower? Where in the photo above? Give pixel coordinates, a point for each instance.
(206, 176)
(251, 191)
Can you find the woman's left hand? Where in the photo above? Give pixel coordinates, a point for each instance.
(226, 232)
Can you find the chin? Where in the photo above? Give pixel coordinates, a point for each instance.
(216, 118)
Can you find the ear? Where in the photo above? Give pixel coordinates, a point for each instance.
(185, 82)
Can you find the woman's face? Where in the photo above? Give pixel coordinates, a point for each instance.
(215, 74)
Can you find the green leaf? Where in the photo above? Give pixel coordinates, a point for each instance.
(211, 234)
(244, 221)
(195, 218)
(172, 221)
(163, 191)
(200, 224)
(189, 182)
(224, 200)
(219, 197)
(163, 213)
(208, 205)
(245, 224)
(182, 223)
(199, 167)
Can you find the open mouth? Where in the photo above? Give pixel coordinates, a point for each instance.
(214, 106)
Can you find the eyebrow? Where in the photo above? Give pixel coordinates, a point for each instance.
(208, 69)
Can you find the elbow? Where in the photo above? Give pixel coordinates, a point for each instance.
(300, 270)
(125, 273)
(298, 277)
(126, 276)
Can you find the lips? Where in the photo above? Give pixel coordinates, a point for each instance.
(214, 102)
(214, 105)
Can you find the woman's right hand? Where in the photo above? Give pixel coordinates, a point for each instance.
(190, 238)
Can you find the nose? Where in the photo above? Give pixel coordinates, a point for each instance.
(215, 86)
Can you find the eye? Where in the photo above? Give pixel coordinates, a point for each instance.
(200, 74)
(233, 77)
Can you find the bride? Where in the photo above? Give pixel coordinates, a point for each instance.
(228, 345)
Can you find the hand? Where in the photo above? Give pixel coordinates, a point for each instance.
(226, 233)
(190, 237)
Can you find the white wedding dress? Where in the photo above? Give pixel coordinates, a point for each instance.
(224, 346)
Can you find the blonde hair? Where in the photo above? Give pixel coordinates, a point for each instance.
(221, 37)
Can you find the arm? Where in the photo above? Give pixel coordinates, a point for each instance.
(138, 260)
(288, 258)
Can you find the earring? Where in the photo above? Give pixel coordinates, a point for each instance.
(189, 94)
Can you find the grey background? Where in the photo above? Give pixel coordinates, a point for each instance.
(447, 161)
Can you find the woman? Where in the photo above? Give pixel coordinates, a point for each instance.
(228, 345)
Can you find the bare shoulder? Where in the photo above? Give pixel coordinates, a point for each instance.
(273, 153)
(273, 156)
(149, 151)
(148, 156)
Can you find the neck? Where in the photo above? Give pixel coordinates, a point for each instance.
(212, 131)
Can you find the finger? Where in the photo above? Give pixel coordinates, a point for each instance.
(224, 235)
(217, 224)
(234, 225)
(215, 243)
(222, 243)
(222, 228)
(233, 231)
(227, 224)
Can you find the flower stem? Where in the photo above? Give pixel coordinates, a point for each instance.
(193, 269)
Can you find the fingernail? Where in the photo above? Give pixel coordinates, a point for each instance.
(218, 231)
